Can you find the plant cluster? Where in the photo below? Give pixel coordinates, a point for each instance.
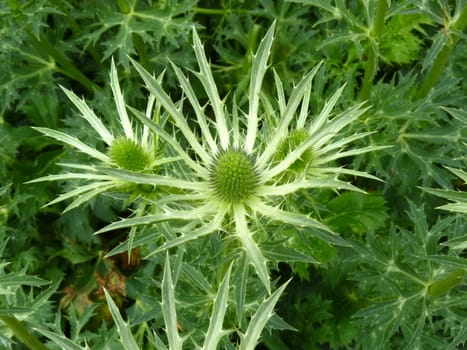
(233, 175)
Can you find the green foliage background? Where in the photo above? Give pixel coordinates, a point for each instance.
(400, 286)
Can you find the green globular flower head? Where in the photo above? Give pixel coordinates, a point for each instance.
(233, 176)
(129, 155)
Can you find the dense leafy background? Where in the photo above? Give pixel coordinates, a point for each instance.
(374, 295)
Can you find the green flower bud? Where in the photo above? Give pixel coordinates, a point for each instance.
(234, 177)
(128, 155)
(290, 143)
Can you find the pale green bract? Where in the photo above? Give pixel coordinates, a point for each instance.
(236, 171)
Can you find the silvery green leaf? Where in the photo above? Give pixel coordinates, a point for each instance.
(257, 323)
(215, 331)
(169, 309)
(62, 341)
(74, 142)
(124, 330)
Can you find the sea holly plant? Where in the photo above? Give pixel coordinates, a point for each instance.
(129, 148)
(236, 172)
(226, 165)
(206, 165)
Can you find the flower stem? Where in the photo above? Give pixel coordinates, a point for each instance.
(447, 283)
(65, 66)
(372, 59)
(252, 40)
(219, 12)
(442, 59)
(22, 333)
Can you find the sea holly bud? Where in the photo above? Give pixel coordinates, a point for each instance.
(294, 139)
(129, 155)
